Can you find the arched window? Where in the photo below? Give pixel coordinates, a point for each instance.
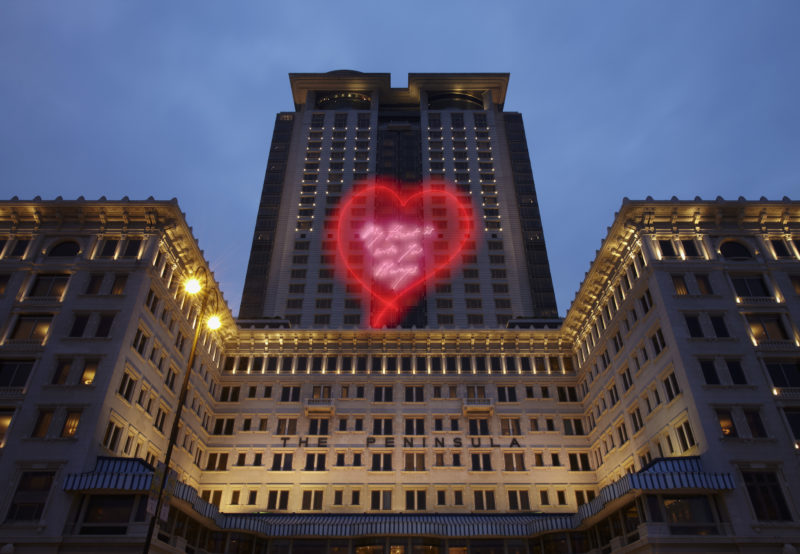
(733, 250)
(66, 249)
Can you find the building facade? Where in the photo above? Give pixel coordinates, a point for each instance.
(662, 413)
(349, 127)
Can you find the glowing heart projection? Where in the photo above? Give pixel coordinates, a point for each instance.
(392, 242)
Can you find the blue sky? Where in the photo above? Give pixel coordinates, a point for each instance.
(177, 99)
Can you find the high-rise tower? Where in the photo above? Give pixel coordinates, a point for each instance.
(444, 128)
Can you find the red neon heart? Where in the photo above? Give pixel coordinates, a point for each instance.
(393, 244)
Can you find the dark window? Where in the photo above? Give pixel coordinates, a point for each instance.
(733, 250)
(28, 501)
(766, 496)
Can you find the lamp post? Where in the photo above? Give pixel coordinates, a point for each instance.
(192, 286)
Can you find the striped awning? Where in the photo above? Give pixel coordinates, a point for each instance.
(669, 474)
(441, 525)
(117, 474)
(663, 474)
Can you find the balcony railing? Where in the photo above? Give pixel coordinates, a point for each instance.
(319, 405)
(476, 405)
(762, 300)
(779, 344)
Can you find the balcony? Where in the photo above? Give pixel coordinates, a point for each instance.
(478, 406)
(776, 344)
(786, 393)
(756, 300)
(319, 406)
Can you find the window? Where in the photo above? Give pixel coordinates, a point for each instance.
(71, 422)
(646, 301)
(49, 286)
(693, 324)
(509, 426)
(514, 461)
(690, 248)
(112, 435)
(685, 436)
(720, 329)
(14, 373)
(709, 372)
(726, 423)
(703, 284)
(415, 394)
(160, 418)
(481, 461)
(671, 386)
(579, 462)
(793, 419)
(657, 340)
(381, 461)
(780, 248)
(573, 426)
(312, 500)
(733, 250)
(506, 394)
(382, 394)
(478, 426)
(766, 327)
(382, 426)
(381, 500)
(415, 426)
(290, 394)
(32, 328)
(318, 426)
(29, 499)
(140, 341)
(518, 500)
(784, 373)
(766, 496)
(414, 461)
(42, 425)
(286, 426)
(667, 248)
(736, 372)
(282, 461)
(315, 461)
(95, 282)
(223, 426)
(755, 424)
(484, 500)
(749, 286)
(126, 386)
(217, 461)
(278, 500)
(680, 285)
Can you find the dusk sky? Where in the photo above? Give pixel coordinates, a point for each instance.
(178, 99)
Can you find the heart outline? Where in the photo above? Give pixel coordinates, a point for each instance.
(383, 185)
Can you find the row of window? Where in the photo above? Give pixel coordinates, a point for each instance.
(381, 425)
(403, 365)
(381, 499)
(107, 248)
(413, 393)
(317, 460)
(730, 249)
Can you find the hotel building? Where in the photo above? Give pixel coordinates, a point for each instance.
(662, 414)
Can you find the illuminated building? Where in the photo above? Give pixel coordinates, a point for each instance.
(661, 414)
(349, 127)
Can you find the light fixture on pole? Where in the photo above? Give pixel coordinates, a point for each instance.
(192, 286)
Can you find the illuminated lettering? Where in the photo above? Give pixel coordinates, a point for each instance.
(397, 251)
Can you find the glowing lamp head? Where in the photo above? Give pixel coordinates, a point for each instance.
(192, 286)
(214, 323)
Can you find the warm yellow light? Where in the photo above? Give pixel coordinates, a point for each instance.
(192, 286)
(214, 323)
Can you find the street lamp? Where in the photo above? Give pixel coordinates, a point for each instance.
(192, 286)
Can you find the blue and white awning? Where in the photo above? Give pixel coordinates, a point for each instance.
(668, 474)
